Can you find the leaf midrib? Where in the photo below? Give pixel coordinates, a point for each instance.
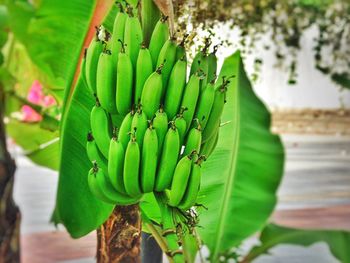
(229, 185)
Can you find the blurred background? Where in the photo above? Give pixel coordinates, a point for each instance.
(297, 55)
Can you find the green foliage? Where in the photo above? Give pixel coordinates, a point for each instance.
(79, 210)
(241, 177)
(52, 33)
(272, 235)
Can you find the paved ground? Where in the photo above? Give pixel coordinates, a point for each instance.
(314, 193)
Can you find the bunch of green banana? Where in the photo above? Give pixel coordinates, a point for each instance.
(153, 123)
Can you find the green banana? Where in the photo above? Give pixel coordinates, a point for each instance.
(175, 88)
(168, 158)
(152, 93)
(193, 185)
(93, 152)
(131, 168)
(181, 174)
(159, 36)
(149, 159)
(124, 83)
(194, 140)
(181, 125)
(180, 49)
(116, 163)
(212, 65)
(200, 63)
(139, 126)
(190, 98)
(150, 15)
(167, 58)
(92, 58)
(208, 147)
(95, 187)
(216, 111)
(160, 124)
(118, 33)
(105, 82)
(144, 69)
(101, 128)
(125, 128)
(133, 36)
(98, 179)
(205, 104)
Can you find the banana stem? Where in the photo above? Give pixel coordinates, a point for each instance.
(157, 236)
(169, 230)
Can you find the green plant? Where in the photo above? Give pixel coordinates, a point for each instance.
(240, 178)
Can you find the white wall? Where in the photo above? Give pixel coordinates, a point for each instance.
(313, 89)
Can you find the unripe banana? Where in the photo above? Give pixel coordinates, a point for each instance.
(152, 93)
(132, 36)
(179, 182)
(131, 168)
(167, 58)
(118, 33)
(181, 51)
(101, 128)
(212, 65)
(149, 160)
(168, 158)
(116, 164)
(194, 140)
(190, 98)
(125, 128)
(149, 14)
(92, 58)
(124, 83)
(111, 193)
(175, 88)
(160, 124)
(181, 125)
(95, 187)
(103, 190)
(216, 111)
(205, 104)
(200, 64)
(94, 153)
(144, 69)
(139, 126)
(208, 147)
(193, 186)
(105, 82)
(159, 36)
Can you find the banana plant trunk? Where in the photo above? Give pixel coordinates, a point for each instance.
(119, 238)
(10, 216)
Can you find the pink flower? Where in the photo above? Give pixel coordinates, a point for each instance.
(36, 94)
(49, 101)
(29, 114)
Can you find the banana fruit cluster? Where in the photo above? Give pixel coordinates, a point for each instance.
(151, 129)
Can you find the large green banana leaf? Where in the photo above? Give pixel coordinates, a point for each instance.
(240, 179)
(272, 235)
(53, 33)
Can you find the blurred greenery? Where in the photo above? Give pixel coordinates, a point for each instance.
(338, 241)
